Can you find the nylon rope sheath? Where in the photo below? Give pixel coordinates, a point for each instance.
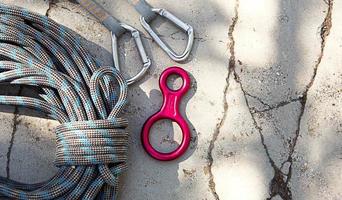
(86, 98)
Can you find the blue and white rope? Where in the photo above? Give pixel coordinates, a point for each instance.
(92, 141)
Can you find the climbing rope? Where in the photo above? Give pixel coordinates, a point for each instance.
(91, 145)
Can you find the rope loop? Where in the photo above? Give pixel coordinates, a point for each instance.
(86, 144)
(95, 92)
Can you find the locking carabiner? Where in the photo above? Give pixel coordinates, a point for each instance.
(184, 26)
(117, 29)
(146, 61)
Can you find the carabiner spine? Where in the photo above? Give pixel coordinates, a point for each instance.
(140, 46)
(115, 52)
(172, 18)
(137, 39)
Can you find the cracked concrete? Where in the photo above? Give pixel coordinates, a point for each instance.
(282, 136)
(231, 71)
(6, 120)
(10, 147)
(8, 124)
(264, 108)
(316, 168)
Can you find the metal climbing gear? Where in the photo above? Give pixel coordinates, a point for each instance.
(117, 29)
(148, 13)
(169, 110)
(87, 99)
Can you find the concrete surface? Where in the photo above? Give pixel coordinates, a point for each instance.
(264, 108)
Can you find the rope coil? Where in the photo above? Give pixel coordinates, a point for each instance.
(92, 141)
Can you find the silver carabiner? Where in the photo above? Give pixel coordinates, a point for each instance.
(145, 60)
(184, 26)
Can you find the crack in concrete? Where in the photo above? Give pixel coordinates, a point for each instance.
(324, 33)
(278, 105)
(15, 122)
(10, 147)
(279, 184)
(258, 99)
(219, 125)
(269, 106)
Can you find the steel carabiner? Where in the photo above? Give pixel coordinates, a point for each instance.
(184, 26)
(148, 13)
(146, 61)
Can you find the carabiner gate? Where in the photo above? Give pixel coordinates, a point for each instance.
(184, 26)
(146, 61)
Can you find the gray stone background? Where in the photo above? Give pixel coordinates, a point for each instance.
(264, 108)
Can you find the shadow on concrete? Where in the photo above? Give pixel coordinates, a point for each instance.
(289, 58)
(169, 170)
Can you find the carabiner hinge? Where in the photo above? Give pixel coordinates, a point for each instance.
(184, 26)
(145, 59)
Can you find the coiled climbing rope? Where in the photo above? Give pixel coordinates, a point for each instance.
(91, 146)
